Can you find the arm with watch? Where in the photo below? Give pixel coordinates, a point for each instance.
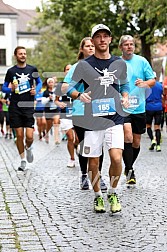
(84, 97)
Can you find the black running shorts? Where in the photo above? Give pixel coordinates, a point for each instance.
(153, 115)
(21, 118)
(138, 122)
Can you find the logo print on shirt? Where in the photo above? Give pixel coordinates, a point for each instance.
(24, 84)
(107, 79)
(23, 78)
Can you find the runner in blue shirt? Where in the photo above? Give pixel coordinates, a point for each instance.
(140, 77)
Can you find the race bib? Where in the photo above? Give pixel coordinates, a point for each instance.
(133, 101)
(53, 106)
(24, 87)
(103, 107)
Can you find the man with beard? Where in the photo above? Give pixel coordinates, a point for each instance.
(20, 81)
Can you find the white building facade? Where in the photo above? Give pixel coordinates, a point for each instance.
(14, 31)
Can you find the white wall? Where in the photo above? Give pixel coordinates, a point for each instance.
(27, 42)
(9, 41)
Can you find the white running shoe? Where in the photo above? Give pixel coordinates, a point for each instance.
(29, 155)
(22, 166)
(71, 163)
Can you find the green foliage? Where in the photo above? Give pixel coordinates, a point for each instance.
(80, 16)
(138, 18)
(52, 51)
(144, 17)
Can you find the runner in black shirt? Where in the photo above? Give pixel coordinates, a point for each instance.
(20, 81)
(99, 110)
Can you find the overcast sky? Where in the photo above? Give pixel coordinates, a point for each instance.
(23, 4)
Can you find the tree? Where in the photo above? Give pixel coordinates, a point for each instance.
(140, 18)
(143, 19)
(52, 51)
(78, 16)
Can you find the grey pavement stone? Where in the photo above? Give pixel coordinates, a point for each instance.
(43, 209)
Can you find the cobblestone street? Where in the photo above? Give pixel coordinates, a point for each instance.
(43, 209)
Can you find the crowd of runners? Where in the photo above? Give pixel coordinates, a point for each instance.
(103, 100)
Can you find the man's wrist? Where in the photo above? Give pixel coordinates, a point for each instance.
(78, 95)
(75, 95)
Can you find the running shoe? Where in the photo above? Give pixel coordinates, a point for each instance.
(6, 135)
(2, 131)
(29, 155)
(99, 205)
(84, 182)
(10, 136)
(22, 166)
(71, 163)
(158, 148)
(103, 186)
(115, 205)
(153, 144)
(130, 178)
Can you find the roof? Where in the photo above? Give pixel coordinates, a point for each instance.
(23, 17)
(6, 9)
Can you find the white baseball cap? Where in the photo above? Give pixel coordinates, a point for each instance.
(99, 27)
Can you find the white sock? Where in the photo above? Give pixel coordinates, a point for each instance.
(23, 159)
(99, 193)
(111, 190)
(28, 148)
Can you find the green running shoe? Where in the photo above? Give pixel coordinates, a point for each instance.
(99, 205)
(153, 144)
(130, 178)
(115, 205)
(158, 148)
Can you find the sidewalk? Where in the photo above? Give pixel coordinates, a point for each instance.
(44, 209)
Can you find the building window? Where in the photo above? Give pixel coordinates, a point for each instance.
(2, 57)
(2, 29)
